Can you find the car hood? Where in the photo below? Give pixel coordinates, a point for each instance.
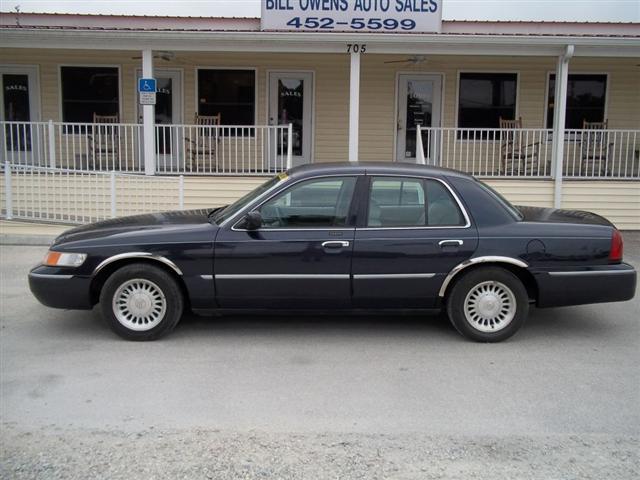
(554, 215)
(137, 225)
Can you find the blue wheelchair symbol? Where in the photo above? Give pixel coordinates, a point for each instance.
(147, 85)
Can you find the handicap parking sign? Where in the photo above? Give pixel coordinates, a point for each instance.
(147, 85)
(147, 91)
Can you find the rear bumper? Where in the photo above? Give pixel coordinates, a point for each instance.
(58, 290)
(609, 283)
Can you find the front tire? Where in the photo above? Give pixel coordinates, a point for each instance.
(141, 302)
(488, 304)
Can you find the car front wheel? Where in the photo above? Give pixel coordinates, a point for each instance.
(141, 302)
(488, 304)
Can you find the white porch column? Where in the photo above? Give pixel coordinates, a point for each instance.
(148, 119)
(559, 119)
(354, 107)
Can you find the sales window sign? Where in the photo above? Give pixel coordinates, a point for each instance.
(390, 16)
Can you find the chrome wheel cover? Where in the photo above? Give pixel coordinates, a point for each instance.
(490, 306)
(139, 304)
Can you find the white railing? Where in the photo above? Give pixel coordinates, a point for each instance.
(611, 154)
(180, 149)
(77, 197)
(76, 146)
(527, 153)
(223, 150)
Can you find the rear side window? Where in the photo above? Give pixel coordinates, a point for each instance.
(314, 203)
(411, 202)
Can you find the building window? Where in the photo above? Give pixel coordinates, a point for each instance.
(483, 99)
(230, 93)
(87, 91)
(586, 96)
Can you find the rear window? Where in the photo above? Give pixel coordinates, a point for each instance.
(411, 202)
(503, 201)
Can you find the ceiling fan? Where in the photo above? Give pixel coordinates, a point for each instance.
(160, 55)
(413, 60)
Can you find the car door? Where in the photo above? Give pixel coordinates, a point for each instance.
(412, 231)
(300, 257)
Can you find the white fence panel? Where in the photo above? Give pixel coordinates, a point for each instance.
(71, 196)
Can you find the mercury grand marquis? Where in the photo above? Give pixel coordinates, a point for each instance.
(341, 238)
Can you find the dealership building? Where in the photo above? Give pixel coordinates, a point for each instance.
(109, 115)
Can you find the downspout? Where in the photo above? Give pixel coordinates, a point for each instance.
(559, 120)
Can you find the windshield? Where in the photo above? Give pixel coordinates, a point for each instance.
(505, 203)
(229, 211)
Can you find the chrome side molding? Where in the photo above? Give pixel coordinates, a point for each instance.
(365, 276)
(145, 255)
(474, 261)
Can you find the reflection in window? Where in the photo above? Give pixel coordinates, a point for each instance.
(15, 95)
(586, 96)
(89, 90)
(230, 93)
(314, 203)
(291, 110)
(484, 98)
(411, 202)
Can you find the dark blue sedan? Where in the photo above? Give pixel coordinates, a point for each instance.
(341, 238)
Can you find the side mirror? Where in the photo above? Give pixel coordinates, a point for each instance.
(253, 220)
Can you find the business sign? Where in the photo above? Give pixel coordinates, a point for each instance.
(390, 16)
(147, 91)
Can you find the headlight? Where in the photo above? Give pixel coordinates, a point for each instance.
(58, 259)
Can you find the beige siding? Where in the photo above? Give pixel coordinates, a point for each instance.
(378, 88)
(617, 201)
(536, 193)
(209, 192)
(67, 196)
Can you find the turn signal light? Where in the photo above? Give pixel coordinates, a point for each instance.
(59, 259)
(615, 254)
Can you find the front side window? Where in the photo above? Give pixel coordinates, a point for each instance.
(586, 96)
(230, 93)
(411, 202)
(483, 98)
(87, 91)
(314, 203)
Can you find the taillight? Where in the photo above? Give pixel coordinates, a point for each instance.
(615, 254)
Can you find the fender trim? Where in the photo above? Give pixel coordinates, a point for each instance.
(145, 255)
(475, 261)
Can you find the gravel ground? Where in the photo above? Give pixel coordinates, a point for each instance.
(315, 398)
(54, 453)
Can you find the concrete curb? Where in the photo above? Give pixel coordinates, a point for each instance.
(30, 240)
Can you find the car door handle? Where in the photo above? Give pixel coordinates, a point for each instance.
(451, 243)
(335, 244)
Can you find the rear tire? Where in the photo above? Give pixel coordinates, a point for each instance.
(141, 302)
(488, 304)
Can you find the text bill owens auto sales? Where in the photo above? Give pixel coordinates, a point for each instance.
(423, 16)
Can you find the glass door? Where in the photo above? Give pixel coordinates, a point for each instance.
(168, 111)
(290, 101)
(419, 100)
(19, 103)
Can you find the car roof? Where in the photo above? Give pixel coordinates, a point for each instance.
(373, 168)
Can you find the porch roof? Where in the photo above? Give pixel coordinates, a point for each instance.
(124, 32)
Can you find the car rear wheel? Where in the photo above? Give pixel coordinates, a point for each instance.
(488, 304)
(141, 302)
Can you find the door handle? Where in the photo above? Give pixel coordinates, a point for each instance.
(334, 244)
(451, 243)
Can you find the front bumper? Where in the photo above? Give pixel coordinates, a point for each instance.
(602, 284)
(57, 288)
